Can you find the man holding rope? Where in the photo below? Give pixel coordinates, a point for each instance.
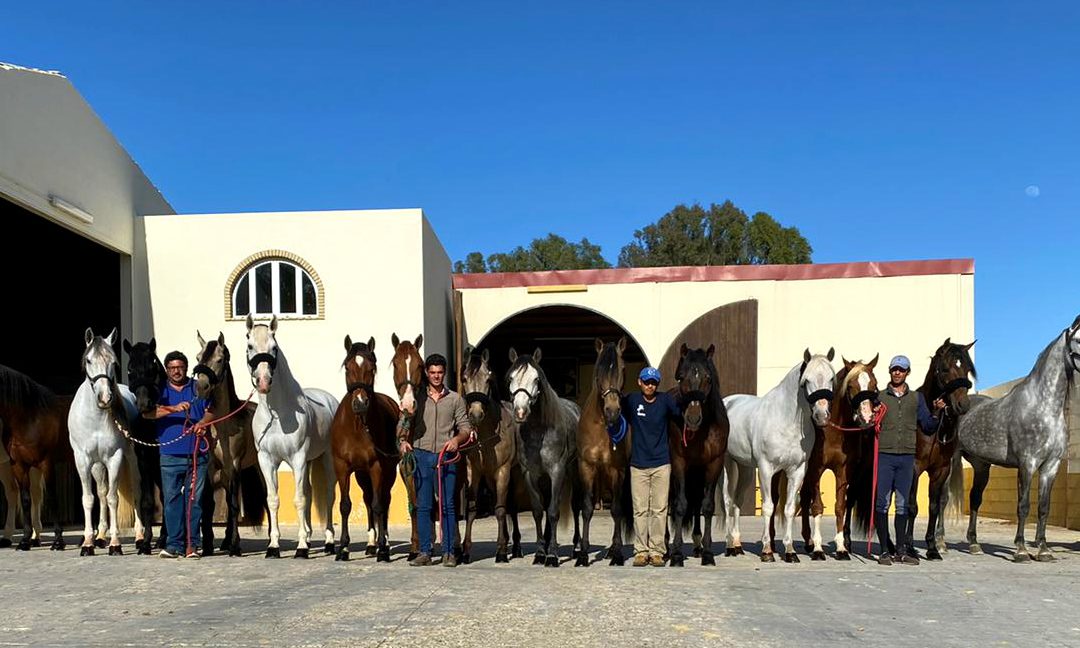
(440, 428)
(180, 414)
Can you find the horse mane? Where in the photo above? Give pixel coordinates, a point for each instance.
(550, 411)
(98, 344)
(18, 388)
(950, 350)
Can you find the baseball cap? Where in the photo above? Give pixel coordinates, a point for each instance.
(649, 373)
(900, 361)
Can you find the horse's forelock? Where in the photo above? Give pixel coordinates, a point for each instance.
(607, 364)
(359, 349)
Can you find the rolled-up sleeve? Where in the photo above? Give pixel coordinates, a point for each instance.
(461, 417)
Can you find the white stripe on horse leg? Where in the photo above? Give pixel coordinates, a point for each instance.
(303, 503)
(815, 535)
(839, 540)
(269, 470)
(101, 478)
(37, 486)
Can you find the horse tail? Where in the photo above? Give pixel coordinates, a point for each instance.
(318, 478)
(695, 495)
(954, 510)
(860, 495)
(128, 485)
(252, 496)
(627, 498)
(720, 505)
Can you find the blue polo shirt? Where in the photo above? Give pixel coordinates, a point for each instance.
(171, 426)
(649, 422)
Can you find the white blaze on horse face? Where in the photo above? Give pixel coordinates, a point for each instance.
(100, 363)
(866, 408)
(819, 375)
(408, 399)
(525, 380)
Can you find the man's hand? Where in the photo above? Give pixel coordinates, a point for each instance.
(181, 407)
(939, 405)
(451, 445)
(404, 447)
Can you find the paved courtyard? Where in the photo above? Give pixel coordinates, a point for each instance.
(53, 599)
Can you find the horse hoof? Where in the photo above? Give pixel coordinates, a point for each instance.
(342, 556)
(1045, 556)
(677, 560)
(791, 557)
(501, 557)
(843, 555)
(412, 556)
(383, 556)
(817, 555)
(697, 552)
(933, 554)
(23, 546)
(372, 550)
(516, 553)
(86, 550)
(974, 549)
(538, 559)
(1022, 557)
(301, 553)
(143, 549)
(116, 550)
(207, 550)
(582, 560)
(553, 561)
(57, 545)
(617, 561)
(466, 559)
(100, 543)
(273, 552)
(732, 551)
(768, 557)
(707, 559)
(139, 542)
(235, 551)
(328, 549)
(36, 542)
(5, 543)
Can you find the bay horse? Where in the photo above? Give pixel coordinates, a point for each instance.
(33, 425)
(494, 461)
(946, 378)
(292, 425)
(1024, 429)
(100, 413)
(775, 433)
(604, 461)
(547, 449)
(364, 443)
(234, 457)
(697, 452)
(147, 380)
(409, 382)
(845, 446)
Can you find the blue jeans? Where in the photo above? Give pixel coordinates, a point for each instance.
(424, 476)
(895, 474)
(175, 484)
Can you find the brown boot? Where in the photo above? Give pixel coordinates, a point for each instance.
(656, 560)
(421, 560)
(641, 560)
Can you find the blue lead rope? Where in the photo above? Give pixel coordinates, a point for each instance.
(617, 432)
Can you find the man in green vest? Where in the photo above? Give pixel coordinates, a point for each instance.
(896, 456)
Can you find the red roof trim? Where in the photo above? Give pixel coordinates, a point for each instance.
(716, 273)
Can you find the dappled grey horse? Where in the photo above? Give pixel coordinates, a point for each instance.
(1026, 430)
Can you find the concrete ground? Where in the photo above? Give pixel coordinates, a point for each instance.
(54, 599)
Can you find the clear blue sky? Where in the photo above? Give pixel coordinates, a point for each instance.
(926, 131)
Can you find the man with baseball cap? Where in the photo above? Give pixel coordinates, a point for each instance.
(896, 456)
(648, 414)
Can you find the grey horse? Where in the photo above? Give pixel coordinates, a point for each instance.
(1026, 430)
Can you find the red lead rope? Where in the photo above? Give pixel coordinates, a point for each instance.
(879, 416)
(444, 524)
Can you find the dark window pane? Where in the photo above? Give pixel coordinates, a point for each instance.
(287, 283)
(242, 305)
(263, 288)
(309, 296)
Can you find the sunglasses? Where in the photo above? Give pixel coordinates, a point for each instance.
(654, 383)
(898, 370)
(176, 367)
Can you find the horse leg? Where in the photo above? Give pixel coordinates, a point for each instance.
(943, 505)
(980, 476)
(812, 510)
(842, 511)
(765, 483)
(231, 542)
(588, 484)
(678, 506)
(343, 474)
(102, 483)
(82, 464)
(48, 473)
(471, 492)
(708, 509)
(913, 512)
(515, 538)
(7, 479)
(537, 503)
(502, 488)
(269, 468)
(154, 467)
(1047, 474)
(795, 479)
(146, 502)
(22, 478)
(302, 502)
(113, 499)
(618, 515)
(737, 483)
(37, 496)
(329, 486)
(559, 478)
(937, 484)
(1024, 475)
(382, 481)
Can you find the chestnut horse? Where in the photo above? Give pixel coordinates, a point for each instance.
(363, 441)
(410, 384)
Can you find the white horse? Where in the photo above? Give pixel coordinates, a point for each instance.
(290, 424)
(100, 413)
(775, 433)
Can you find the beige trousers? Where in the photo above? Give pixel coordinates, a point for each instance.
(649, 489)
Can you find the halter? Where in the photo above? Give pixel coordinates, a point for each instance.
(611, 390)
(617, 432)
(522, 390)
(211, 375)
(478, 397)
(864, 395)
(268, 358)
(353, 386)
(1072, 359)
(820, 394)
(695, 395)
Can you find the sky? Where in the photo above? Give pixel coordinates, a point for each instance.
(928, 130)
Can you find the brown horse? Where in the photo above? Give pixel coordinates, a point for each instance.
(947, 378)
(33, 426)
(235, 460)
(697, 452)
(409, 382)
(363, 441)
(495, 460)
(844, 446)
(603, 461)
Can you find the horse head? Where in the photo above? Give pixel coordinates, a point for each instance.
(212, 365)
(408, 371)
(525, 381)
(262, 353)
(609, 377)
(100, 367)
(478, 384)
(696, 379)
(817, 379)
(858, 390)
(360, 366)
(145, 374)
(951, 370)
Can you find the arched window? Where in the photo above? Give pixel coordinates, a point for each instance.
(274, 283)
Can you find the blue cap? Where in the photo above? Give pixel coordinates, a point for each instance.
(649, 373)
(900, 361)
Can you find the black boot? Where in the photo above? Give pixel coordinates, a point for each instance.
(883, 538)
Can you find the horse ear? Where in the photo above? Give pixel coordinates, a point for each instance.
(484, 356)
(599, 344)
(873, 363)
(537, 355)
(394, 340)
(712, 349)
(127, 345)
(199, 339)
(348, 343)
(273, 324)
(111, 340)
(220, 339)
(153, 344)
(250, 323)
(806, 355)
(419, 341)
(622, 345)
(683, 350)
(847, 364)
(513, 355)
(967, 347)
(371, 344)
(831, 354)
(1075, 324)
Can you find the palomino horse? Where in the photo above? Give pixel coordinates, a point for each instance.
(363, 443)
(234, 451)
(100, 413)
(547, 447)
(409, 382)
(33, 423)
(146, 380)
(493, 462)
(844, 445)
(947, 378)
(603, 461)
(775, 433)
(291, 424)
(1025, 429)
(697, 453)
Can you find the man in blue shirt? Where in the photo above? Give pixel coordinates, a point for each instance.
(178, 411)
(648, 414)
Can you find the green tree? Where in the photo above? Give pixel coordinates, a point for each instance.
(719, 235)
(552, 252)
